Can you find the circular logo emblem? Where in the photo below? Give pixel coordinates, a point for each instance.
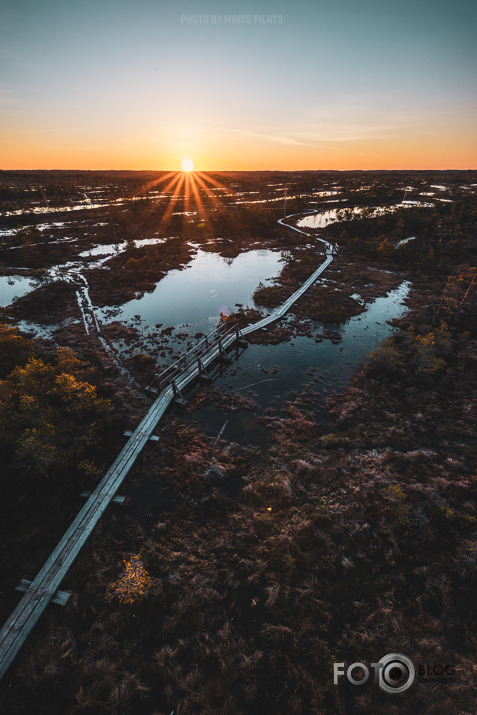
(396, 674)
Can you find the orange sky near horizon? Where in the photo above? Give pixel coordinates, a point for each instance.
(242, 154)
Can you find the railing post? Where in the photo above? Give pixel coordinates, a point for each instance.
(222, 356)
(202, 371)
(240, 341)
(177, 394)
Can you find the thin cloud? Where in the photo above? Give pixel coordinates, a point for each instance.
(365, 153)
(334, 131)
(318, 133)
(279, 139)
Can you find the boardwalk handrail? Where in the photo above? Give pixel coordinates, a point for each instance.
(43, 588)
(191, 356)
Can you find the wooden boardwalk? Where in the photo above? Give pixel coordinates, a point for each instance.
(193, 365)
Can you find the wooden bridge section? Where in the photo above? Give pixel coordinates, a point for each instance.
(193, 365)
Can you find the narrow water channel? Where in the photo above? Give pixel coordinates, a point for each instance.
(277, 372)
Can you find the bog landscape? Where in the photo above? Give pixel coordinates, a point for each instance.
(238, 352)
(251, 505)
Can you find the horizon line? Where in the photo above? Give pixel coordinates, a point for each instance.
(225, 171)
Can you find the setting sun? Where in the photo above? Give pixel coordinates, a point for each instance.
(187, 165)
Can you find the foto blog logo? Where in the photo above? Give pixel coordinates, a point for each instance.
(394, 673)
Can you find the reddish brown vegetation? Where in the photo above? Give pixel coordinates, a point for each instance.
(343, 541)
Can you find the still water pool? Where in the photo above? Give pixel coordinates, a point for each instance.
(12, 287)
(273, 372)
(207, 286)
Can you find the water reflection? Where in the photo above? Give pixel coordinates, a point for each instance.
(12, 287)
(275, 370)
(320, 220)
(104, 250)
(207, 286)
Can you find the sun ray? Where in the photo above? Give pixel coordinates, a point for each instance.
(195, 187)
(172, 183)
(202, 184)
(150, 184)
(171, 176)
(201, 179)
(172, 201)
(210, 194)
(188, 180)
(201, 213)
(214, 182)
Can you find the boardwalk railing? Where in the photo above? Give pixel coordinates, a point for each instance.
(175, 378)
(219, 338)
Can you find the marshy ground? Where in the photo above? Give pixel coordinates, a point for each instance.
(334, 520)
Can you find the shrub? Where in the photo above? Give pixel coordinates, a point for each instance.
(386, 359)
(133, 585)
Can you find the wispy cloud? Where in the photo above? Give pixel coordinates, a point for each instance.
(337, 124)
(337, 130)
(64, 129)
(277, 138)
(365, 153)
(353, 119)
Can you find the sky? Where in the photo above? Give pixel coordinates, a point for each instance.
(272, 85)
